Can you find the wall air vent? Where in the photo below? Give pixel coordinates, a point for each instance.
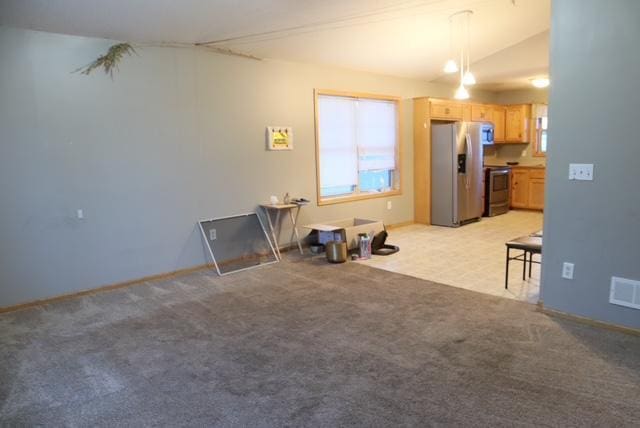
(625, 292)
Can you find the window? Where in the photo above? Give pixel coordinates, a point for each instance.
(358, 146)
(541, 122)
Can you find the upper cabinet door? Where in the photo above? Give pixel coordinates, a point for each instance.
(517, 123)
(466, 112)
(446, 110)
(498, 116)
(480, 113)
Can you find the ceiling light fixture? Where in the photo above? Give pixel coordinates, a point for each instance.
(464, 36)
(540, 82)
(450, 66)
(461, 93)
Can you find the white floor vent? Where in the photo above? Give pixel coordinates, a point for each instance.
(625, 292)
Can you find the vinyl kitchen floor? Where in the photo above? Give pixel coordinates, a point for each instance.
(470, 257)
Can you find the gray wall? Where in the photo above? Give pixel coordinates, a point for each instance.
(177, 136)
(593, 118)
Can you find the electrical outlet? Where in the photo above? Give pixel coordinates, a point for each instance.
(80, 214)
(567, 270)
(212, 234)
(581, 171)
(389, 205)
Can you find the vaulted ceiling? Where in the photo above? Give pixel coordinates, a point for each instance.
(409, 38)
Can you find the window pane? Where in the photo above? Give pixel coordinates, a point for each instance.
(337, 191)
(337, 135)
(543, 141)
(376, 181)
(357, 145)
(376, 123)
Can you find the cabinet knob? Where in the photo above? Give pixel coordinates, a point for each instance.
(446, 110)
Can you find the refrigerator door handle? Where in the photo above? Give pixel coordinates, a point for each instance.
(469, 160)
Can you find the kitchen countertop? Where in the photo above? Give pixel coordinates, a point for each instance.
(533, 166)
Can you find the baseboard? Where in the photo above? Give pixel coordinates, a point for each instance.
(588, 321)
(402, 224)
(104, 288)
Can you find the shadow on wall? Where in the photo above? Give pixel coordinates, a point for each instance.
(624, 346)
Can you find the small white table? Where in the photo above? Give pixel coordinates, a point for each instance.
(287, 209)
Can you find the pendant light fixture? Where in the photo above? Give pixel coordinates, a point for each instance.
(450, 66)
(466, 76)
(461, 93)
(469, 79)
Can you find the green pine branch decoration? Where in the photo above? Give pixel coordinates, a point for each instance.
(109, 61)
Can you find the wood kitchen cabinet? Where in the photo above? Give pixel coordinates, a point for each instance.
(517, 123)
(481, 113)
(498, 115)
(536, 189)
(520, 188)
(527, 188)
(466, 112)
(491, 113)
(445, 110)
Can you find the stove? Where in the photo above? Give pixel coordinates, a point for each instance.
(497, 190)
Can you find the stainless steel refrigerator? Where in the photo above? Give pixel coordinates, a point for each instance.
(457, 172)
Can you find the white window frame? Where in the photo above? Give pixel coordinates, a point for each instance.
(540, 112)
(397, 175)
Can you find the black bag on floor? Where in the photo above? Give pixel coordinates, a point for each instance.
(378, 246)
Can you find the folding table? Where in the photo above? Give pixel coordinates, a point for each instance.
(274, 226)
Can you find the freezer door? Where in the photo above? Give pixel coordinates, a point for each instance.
(474, 189)
(444, 202)
(464, 156)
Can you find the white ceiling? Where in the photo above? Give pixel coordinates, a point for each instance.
(409, 38)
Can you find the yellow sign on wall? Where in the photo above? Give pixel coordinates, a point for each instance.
(279, 138)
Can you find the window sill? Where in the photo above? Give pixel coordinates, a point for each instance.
(359, 197)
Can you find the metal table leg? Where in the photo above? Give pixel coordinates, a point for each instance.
(524, 267)
(294, 222)
(506, 275)
(278, 228)
(273, 231)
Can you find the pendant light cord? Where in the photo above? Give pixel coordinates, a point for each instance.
(468, 38)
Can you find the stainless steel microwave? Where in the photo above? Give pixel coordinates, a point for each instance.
(487, 134)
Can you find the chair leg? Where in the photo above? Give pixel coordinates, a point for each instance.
(506, 275)
(524, 267)
(530, 262)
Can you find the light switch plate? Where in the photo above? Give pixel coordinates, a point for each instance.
(581, 171)
(567, 270)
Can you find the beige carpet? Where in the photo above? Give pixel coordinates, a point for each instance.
(304, 343)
